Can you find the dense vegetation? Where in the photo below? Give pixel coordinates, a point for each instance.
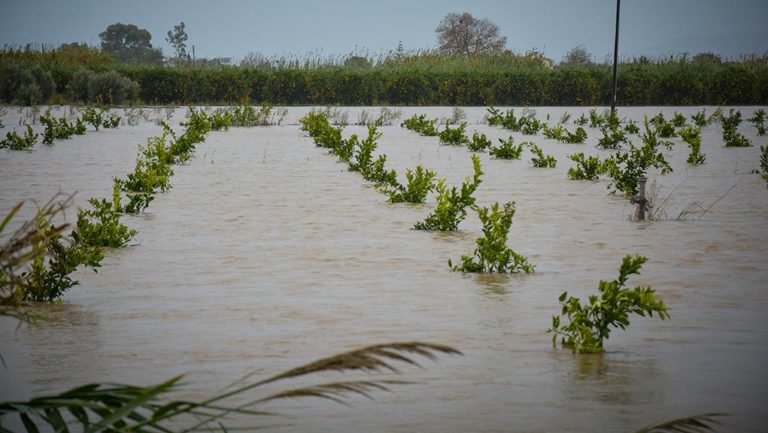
(417, 79)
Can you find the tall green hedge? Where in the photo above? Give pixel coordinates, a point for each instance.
(673, 83)
(652, 84)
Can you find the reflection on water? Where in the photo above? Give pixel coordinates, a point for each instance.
(605, 379)
(267, 253)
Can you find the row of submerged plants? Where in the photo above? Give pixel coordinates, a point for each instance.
(630, 160)
(126, 407)
(623, 168)
(479, 142)
(100, 227)
(583, 327)
(59, 128)
(453, 202)
(35, 263)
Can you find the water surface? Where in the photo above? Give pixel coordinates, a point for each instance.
(267, 253)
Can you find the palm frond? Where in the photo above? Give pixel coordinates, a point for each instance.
(692, 424)
(375, 358)
(369, 359)
(115, 407)
(335, 390)
(96, 407)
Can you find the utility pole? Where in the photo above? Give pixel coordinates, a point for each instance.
(193, 55)
(615, 59)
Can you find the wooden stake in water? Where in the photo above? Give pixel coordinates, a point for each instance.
(641, 197)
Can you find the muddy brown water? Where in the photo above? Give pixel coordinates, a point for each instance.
(267, 253)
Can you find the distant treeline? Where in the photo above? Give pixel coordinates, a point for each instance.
(673, 82)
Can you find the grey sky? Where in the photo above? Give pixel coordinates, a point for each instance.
(232, 28)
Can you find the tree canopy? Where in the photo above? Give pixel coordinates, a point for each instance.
(178, 40)
(577, 56)
(465, 34)
(129, 44)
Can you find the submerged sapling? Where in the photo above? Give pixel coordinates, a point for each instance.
(492, 255)
(590, 323)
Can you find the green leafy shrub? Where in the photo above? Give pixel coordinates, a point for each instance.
(631, 127)
(344, 149)
(507, 120)
(692, 136)
(663, 127)
(108, 87)
(590, 324)
(153, 168)
(147, 177)
(650, 137)
(586, 168)
(492, 254)
(198, 124)
(13, 141)
(506, 149)
(758, 119)
(478, 143)
(314, 123)
(78, 88)
(678, 120)
(248, 116)
(93, 117)
(421, 125)
(612, 138)
(596, 120)
(100, 118)
(561, 134)
(452, 204)
(112, 88)
(539, 159)
(220, 121)
(21, 247)
(529, 125)
(56, 257)
(700, 118)
(26, 85)
(731, 136)
(419, 183)
(60, 128)
(576, 137)
(626, 166)
(764, 161)
(372, 170)
(101, 226)
(378, 174)
(553, 132)
(363, 153)
(454, 136)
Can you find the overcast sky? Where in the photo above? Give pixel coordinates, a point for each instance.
(232, 28)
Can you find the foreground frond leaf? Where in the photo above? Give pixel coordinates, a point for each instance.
(370, 359)
(335, 390)
(692, 424)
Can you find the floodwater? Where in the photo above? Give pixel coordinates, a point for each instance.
(267, 254)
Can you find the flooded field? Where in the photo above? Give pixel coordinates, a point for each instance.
(267, 253)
